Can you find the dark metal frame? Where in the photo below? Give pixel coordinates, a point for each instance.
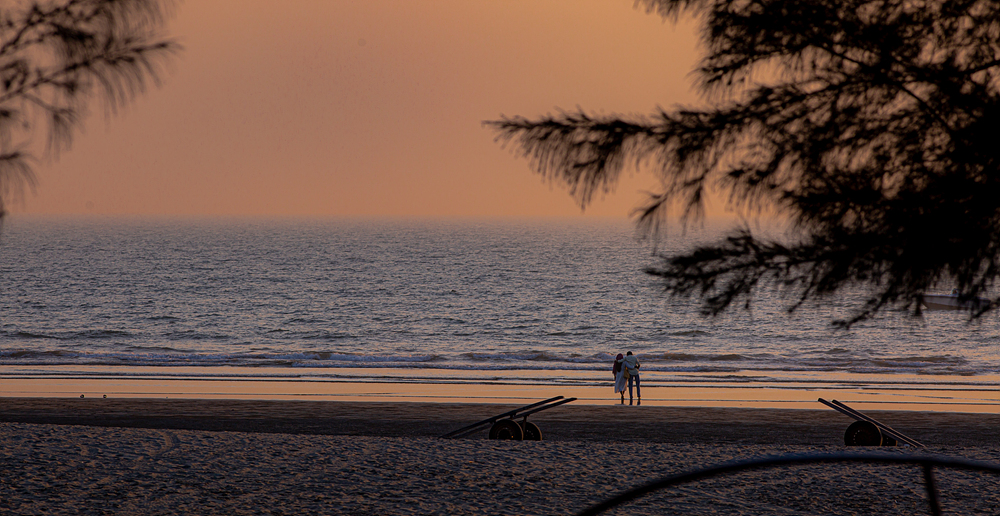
(522, 412)
(859, 416)
(927, 462)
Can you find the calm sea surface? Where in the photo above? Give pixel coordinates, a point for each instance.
(544, 302)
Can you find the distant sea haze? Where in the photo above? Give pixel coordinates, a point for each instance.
(540, 301)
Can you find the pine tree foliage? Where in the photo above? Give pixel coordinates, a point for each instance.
(872, 126)
(55, 56)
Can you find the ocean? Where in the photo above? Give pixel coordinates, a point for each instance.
(545, 302)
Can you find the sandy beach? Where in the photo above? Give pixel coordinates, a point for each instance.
(143, 456)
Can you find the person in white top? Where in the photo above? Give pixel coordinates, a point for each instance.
(631, 364)
(619, 371)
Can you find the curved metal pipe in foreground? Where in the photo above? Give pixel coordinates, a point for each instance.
(927, 462)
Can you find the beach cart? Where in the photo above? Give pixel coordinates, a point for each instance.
(506, 426)
(866, 431)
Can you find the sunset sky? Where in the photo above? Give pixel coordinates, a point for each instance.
(367, 108)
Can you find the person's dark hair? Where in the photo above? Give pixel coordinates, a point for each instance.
(629, 353)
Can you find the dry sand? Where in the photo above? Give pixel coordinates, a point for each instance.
(145, 457)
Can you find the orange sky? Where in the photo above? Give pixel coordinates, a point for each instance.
(367, 108)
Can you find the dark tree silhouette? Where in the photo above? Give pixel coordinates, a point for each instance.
(872, 126)
(54, 57)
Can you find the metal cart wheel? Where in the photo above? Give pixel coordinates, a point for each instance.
(531, 431)
(863, 433)
(506, 429)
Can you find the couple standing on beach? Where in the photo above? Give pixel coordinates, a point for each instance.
(626, 369)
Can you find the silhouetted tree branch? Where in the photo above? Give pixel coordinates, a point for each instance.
(872, 126)
(55, 56)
